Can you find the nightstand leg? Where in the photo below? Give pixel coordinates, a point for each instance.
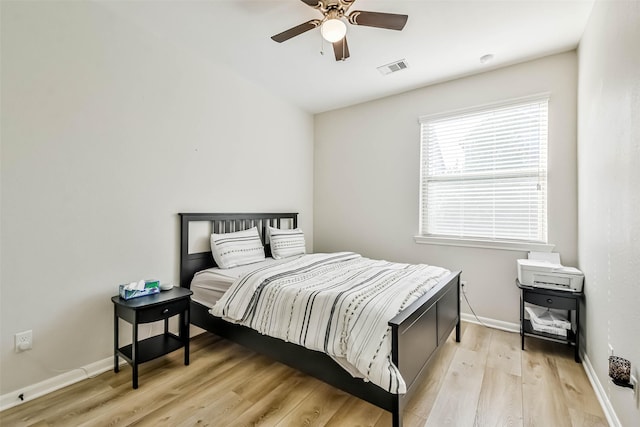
(577, 354)
(135, 376)
(134, 353)
(184, 326)
(522, 318)
(458, 331)
(116, 367)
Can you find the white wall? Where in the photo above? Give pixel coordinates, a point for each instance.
(367, 166)
(609, 191)
(107, 133)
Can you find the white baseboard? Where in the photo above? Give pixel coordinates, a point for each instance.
(11, 399)
(492, 323)
(605, 403)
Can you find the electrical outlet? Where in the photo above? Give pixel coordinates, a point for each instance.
(24, 341)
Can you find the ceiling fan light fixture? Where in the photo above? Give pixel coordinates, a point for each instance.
(333, 30)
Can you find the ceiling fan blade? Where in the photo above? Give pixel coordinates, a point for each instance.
(313, 3)
(341, 49)
(346, 4)
(390, 21)
(296, 31)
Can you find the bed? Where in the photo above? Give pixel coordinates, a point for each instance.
(416, 332)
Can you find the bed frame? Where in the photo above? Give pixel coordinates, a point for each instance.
(417, 331)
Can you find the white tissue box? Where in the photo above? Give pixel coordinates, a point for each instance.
(150, 287)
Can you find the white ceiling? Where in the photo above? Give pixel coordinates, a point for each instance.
(441, 41)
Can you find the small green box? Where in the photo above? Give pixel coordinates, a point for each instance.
(150, 287)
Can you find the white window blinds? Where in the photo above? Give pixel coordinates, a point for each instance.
(484, 173)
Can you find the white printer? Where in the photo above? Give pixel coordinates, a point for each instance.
(543, 273)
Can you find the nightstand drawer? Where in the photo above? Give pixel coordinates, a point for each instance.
(162, 311)
(550, 301)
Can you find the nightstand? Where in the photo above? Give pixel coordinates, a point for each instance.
(151, 308)
(549, 298)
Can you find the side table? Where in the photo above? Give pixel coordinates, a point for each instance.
(549, 298)
(151, 308)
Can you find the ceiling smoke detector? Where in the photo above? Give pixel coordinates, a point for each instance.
(393, 67)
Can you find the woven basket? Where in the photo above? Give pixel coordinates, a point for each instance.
(619, 369)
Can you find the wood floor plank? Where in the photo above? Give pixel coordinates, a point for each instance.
(198, 409)
(261, 381)
(160, 387)
(355, 413)
(277, 401)
(214, 387)
(504, 352)
(317, 409)
(474, 382)
(475, 337)
(500, 402)
(577, 388)
(57, 405)
(584, 419)
(223, 413)
(458, 398)
(542, 390)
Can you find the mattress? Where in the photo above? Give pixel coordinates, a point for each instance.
(209, 285)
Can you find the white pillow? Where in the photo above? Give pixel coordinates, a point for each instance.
(286, 243)
(239, 248)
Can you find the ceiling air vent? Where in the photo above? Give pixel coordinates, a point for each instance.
(393, 67)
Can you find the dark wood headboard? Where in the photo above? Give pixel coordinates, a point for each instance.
(191, 263)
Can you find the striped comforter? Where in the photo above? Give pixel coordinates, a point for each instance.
(337, 303)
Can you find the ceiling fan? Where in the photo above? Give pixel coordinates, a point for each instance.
(333, 27)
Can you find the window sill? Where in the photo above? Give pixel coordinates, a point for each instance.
(485, 244)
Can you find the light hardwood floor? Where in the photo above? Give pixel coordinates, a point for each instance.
(486, 380)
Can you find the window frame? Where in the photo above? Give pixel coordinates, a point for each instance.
(500, 243)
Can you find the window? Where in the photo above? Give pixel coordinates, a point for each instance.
(484, 174)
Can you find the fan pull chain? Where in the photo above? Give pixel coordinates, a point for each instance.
(321, 44)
